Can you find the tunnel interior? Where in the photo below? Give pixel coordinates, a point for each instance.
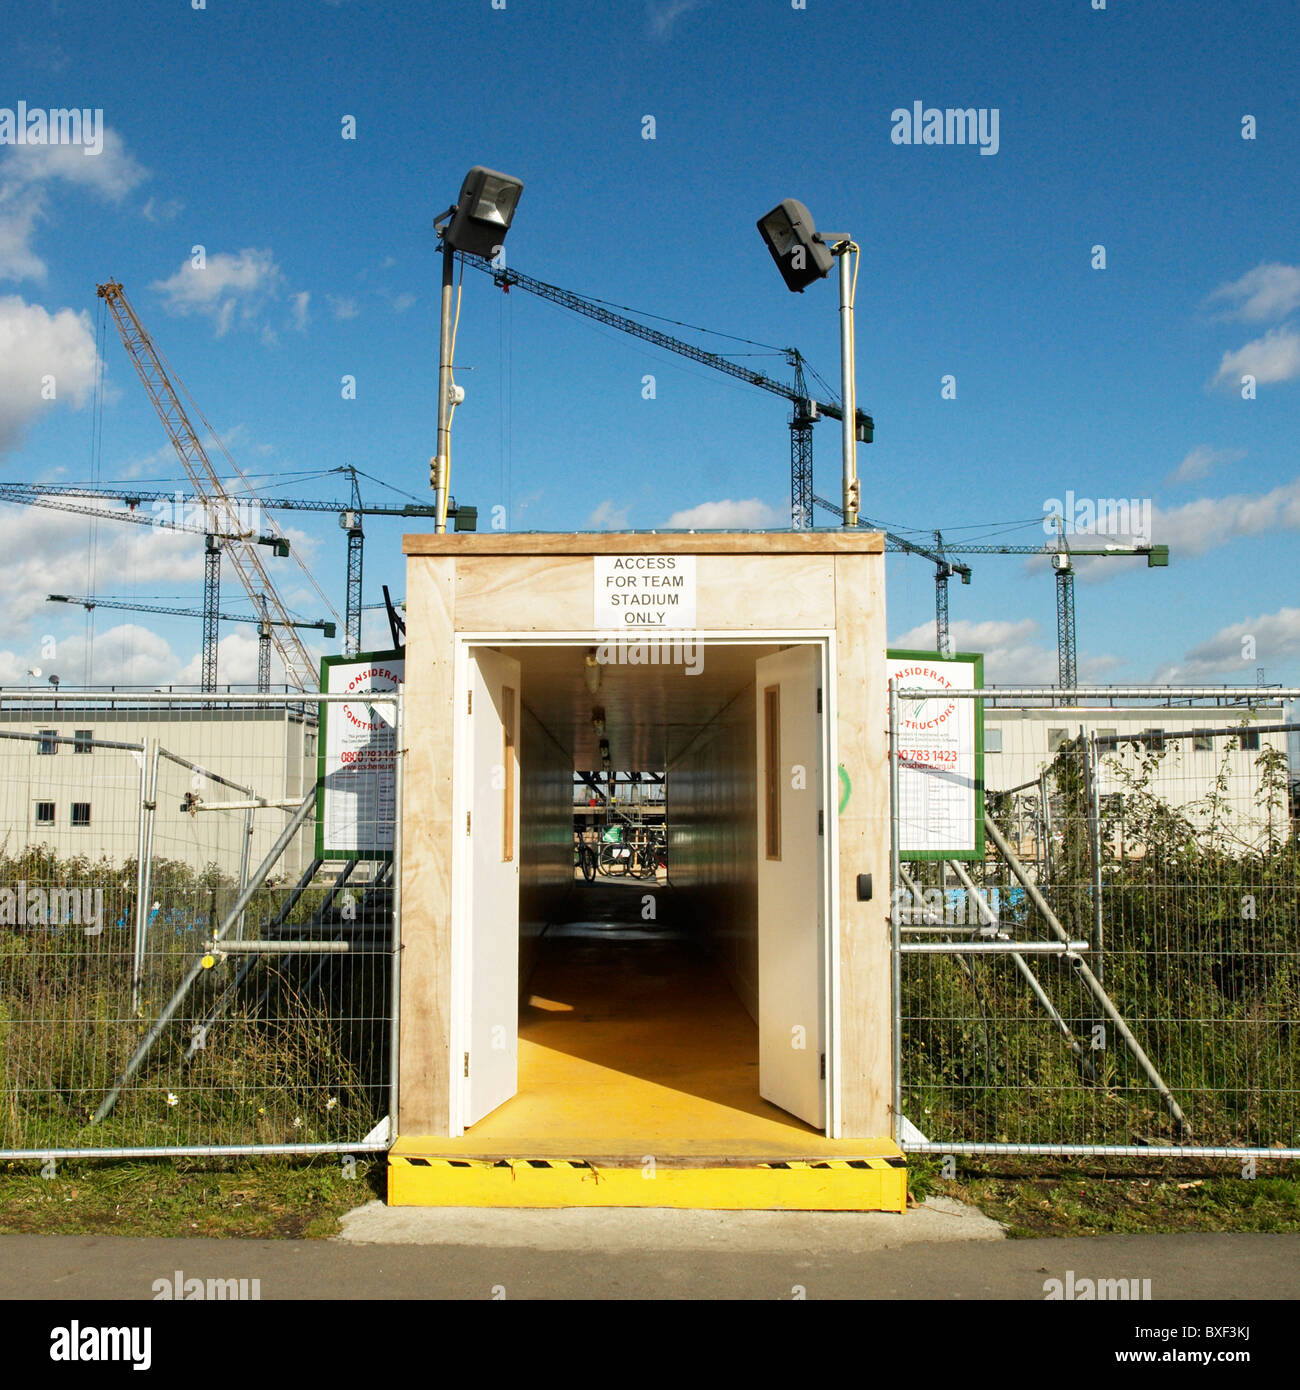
(638, 998)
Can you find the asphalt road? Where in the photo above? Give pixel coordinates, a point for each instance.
(785, 1265)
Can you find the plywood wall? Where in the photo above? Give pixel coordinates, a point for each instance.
(713, 846)
(746, 584)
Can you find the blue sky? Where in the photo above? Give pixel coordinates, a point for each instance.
(1119, 128)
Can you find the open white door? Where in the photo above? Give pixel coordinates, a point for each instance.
(490, 1065)
(791, 874)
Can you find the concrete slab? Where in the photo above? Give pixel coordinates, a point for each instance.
(626, 1230)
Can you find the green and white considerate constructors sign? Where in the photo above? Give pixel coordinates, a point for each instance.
(356, 780)
(940, 755)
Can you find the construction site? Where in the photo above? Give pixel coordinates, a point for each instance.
(630, 867)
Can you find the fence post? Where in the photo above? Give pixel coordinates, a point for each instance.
(395, 969)
(895, 929)
(1088, 747)
(144, 876)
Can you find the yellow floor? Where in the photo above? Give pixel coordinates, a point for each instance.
(637, 1061)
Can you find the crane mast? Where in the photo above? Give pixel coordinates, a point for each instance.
(298, 665)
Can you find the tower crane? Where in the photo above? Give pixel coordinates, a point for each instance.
(805, 411)
(1062, 556)
(162, 391)
(91, 601)
(74, 497)
(213, 536)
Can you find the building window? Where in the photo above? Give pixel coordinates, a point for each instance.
(1202, 743)
(1105, 734)
(1249, 739)
(1057, 739)
(1154, 740)
(993, 738)
(82, 740)
(81, 813)
(49, 741)
(45, 813)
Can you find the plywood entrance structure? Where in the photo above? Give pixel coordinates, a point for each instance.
(759, 683)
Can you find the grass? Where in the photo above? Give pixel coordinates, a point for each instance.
(1081, 1197)
(303, 1199)
(292, 1199)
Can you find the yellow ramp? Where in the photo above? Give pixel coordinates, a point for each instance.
(638, 1087)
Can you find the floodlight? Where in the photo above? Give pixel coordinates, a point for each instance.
(799, 252)
(484, 211)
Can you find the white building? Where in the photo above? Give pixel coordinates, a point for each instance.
(64, 784)
(1199, 743)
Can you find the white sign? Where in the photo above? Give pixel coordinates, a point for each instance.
(936, 757)
(359, 758)
(643, 592)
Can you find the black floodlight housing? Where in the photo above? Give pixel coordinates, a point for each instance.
(484, 211)
(465, 518)
(800, 254)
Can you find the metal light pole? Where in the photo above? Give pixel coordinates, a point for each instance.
(848, 383)
(475, 225)
(802, 255)
(438, 476)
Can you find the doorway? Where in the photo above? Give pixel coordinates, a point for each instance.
(694, 1010)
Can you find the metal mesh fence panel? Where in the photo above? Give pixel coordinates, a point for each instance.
(223, 988)
(1157, 836)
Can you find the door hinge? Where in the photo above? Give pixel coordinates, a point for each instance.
(819, 699)
(823, 1066)
(821, 822)
(467, 1065)
(469, 702)
(467, 816)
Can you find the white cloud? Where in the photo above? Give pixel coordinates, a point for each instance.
(35, 345)
(20, 211)
(750, 515)
(166, 211)
(236, 661)
(1226, 657)
(664, 14)
(342, 307)
(608, 517)
(1012, 656)
(1013, 653)
(402, 302)
(1201, 460)
(1270, 291)
(27, 175)
(1274, 357)
(111, 174)
(126, 653)
(46, 552)
(224, 287)
(298, 309)
(1198, 526)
